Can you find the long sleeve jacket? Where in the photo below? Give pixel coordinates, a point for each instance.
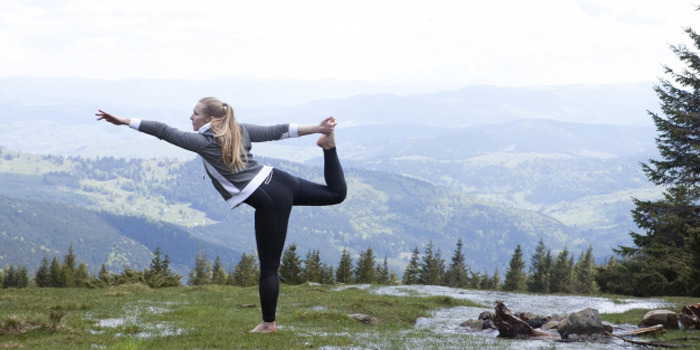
(234, 187)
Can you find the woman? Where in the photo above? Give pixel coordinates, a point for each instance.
(224, 146)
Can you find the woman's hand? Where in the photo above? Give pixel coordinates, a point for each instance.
(112, 118)
(327, 126)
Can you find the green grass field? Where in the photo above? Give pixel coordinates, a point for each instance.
(211, 317)
(219, 317)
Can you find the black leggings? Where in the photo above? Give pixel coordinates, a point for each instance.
(273, 202)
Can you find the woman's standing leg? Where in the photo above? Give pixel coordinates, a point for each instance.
(273, 204)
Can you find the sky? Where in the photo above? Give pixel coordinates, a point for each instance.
(451, 42)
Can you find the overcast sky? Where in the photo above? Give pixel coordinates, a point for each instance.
(458, 42)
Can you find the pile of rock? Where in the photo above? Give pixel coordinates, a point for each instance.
(583, 325)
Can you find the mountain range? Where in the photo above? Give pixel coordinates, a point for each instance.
(495, 166)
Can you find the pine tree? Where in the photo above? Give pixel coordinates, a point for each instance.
(344, 272)
(41, 278)
(312, 267)
(245, 273)
(456, 275)
(218, 272)
(56, 276)
(666, 258)
(82, 276)
(104, 277)
(496, 280)
(584, 273)
(432, 267)
(69, 268)
(22, 277)
(515, 276)
(410, 276)
(327, 274)
(383, 272)
(10, 277)
(201, 273)
(540, 269)
(290, 269)
(560, 282)
(157, 262)
(365, 271)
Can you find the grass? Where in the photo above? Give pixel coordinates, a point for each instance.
(219, 317)
(210, 317)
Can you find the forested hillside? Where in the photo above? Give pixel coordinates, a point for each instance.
(167, 200)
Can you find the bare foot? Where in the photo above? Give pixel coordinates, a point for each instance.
(264, 327)
(326, 141)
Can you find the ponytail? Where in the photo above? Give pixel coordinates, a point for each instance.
(227, 131)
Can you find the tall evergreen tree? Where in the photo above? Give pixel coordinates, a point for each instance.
(383, 272)
(560, 282)
(515, 276)
(456, 275)
(218, 275)
(432, 268)
(104, 277)
(10, 277)
(344, 272)
(245, 273)
(666, 258)
(41, 278)
(69, 268)
(82, 276)
(540, 269)
(584, 273)
(364, 271)
(327, 275)
(56, 275)
(496, 280)
(201, 273)
(290, 269)
(410, 276)
(312, 271)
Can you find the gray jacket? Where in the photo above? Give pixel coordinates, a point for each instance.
(233, 187)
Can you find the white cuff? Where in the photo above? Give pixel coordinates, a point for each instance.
(293, 130)
(135, 123)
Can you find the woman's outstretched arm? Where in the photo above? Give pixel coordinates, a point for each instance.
(325, 127)
(112, 118)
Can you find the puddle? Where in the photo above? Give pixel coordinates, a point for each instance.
(444, 323)
(542, 305)
(132, 316)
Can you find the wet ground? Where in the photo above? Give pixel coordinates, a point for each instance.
(447, 321)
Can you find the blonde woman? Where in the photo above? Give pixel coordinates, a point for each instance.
(224, 146)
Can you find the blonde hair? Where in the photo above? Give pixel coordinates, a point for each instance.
(227, 131)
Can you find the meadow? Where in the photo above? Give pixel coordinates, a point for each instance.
(219, 317)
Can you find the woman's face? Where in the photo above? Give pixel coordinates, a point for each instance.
(198, 117)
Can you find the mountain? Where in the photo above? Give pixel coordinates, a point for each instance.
(31, 230)
(569, 153)
(162, 202)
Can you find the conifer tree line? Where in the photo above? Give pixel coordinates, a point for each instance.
(546, 273)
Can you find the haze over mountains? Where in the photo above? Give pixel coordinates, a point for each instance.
(570, 153)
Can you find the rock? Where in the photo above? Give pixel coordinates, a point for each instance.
(366, 319)
(510, 326)
(581, 325)
(486, 315)
(549, 325)
(488, 324)
(690, 316)
(477, 325)
(536, 322)
(668, 319)
(525, 316)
